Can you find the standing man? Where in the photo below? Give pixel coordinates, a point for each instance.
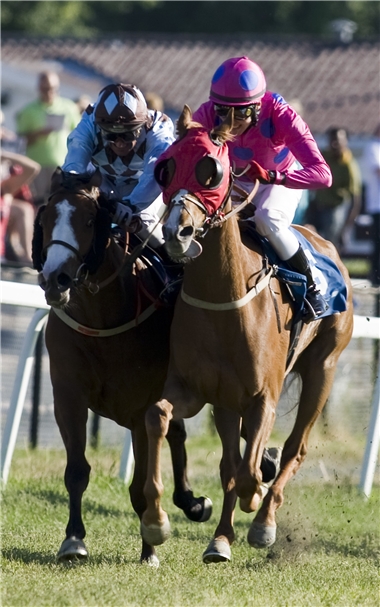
(333, 211)
(45, 124)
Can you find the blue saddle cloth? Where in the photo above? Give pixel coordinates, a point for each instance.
(326, 274)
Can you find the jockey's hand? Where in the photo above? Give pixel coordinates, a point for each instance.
(122, 215)
(135, 225)
(256, 171)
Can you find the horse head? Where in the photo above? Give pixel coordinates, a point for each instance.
(194, 174)
(70, 235)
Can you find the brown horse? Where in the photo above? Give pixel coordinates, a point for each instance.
(108, 344)
(230, 339)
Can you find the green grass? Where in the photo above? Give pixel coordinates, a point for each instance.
(326, 552)
(358, 267)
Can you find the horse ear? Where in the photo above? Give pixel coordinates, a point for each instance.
(222, 133)
(96, 179)
(56, 179)
(184, 121)
(37, 241)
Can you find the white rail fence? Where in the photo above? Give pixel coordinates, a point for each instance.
(32, 296)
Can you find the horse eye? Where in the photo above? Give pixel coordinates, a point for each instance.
(90, 223)
(209, 172)
(164, 172)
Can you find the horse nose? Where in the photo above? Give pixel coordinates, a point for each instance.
(42, 281)
(186, 232)
(64, 282)
(179, 233)
(55, 281)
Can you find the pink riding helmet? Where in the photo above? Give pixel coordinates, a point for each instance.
(238, 81)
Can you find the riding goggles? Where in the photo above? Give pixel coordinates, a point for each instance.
(240, 112)
(125, 135)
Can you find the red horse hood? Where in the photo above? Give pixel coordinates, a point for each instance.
(183, 164)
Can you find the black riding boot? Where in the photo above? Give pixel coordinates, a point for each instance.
(314, 299)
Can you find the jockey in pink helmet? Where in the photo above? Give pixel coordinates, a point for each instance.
(274, 145)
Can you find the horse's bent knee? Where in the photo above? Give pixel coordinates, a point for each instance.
(157, 421)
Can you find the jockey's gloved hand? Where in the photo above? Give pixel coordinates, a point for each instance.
(122, 215)
(256, 171)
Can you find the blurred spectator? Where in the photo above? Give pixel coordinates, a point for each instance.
(154, 101)
(45, 123)
(371, 174)
(7, 136)
(83, 102)
(17, 211)
(332, 211)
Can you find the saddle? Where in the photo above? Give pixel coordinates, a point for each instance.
(327, 276)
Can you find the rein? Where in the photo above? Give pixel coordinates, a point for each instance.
(217, 220)
(247, 200)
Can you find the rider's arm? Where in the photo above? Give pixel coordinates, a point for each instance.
(80, 145)
(315, 172)
(159, 137)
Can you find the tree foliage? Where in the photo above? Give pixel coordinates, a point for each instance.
(94, 19)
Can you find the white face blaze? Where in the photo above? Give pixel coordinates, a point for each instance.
(173, 220)
(58, 254)
(177, 245)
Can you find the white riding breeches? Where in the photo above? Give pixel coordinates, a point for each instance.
(275, 208)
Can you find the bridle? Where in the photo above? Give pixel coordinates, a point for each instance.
(82, 273)
(217, 218)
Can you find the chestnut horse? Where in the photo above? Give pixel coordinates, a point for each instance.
(108, 346)
(230, 339)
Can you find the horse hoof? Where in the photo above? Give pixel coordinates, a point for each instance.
(201, 512)
(151, 561)
(196, 509)
(218, 551)
(261, 536)
(154, 535)
(72, 548)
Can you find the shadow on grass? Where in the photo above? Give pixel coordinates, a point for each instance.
(27, 557)
(45, 559)
(56, 498)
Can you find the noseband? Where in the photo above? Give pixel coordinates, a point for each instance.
(217, 218)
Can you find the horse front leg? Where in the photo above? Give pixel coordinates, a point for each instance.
(136, 488)
(155, 526)
(228, 426)
(317, 379)
(197, 509)
(72, 426)
(258, 421)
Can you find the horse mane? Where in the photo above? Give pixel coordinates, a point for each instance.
(95, 256)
